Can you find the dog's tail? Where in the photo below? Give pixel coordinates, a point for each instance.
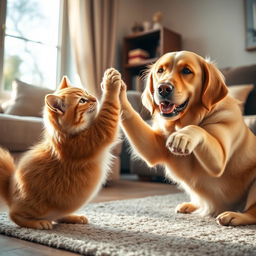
(7, 168)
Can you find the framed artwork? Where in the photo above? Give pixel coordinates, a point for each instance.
(250, 21)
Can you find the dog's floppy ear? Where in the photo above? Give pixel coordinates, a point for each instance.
(214, 87)
(147, 95)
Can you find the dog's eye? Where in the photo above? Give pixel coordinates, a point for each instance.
(160, 70)
(83, 100)
(186, 71)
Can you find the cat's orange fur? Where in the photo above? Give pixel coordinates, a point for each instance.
(66, 169)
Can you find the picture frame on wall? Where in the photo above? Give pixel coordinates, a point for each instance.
(250, 21)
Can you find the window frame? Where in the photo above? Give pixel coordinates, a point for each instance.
(3, 8)
(60, 47)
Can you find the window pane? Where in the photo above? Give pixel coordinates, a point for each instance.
(30, 62)
(35, 20)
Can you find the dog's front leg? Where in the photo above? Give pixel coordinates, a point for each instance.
(206, 148)
(148, 143)
(184, 141)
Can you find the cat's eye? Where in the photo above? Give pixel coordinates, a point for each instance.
(83, 100)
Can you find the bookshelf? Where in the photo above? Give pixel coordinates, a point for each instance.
(156, 42)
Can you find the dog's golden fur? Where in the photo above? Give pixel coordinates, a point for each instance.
(206, 147)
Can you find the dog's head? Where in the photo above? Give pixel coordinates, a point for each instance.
(181, 80)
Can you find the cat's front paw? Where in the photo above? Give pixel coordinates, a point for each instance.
(111, 80)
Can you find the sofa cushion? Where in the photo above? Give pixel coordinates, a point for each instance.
(250, 104)
(240, 92)
(134, 98)
(27, 100)
(240, 75)
(243, 75)
(18, 133)
(251, 122)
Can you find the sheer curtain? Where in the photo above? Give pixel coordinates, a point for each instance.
(92, 25)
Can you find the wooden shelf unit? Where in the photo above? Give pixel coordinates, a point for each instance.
(156, 42)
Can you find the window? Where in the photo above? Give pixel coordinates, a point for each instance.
(30, 42)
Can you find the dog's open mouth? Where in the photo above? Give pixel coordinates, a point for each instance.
(170, 109)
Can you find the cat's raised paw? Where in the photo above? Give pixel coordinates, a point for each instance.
(111, 80)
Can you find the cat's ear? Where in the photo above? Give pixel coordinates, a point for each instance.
(64, 83)
(55, 103)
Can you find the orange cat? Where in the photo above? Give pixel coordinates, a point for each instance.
(67, 168)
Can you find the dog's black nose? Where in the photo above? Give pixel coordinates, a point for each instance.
(165, 90)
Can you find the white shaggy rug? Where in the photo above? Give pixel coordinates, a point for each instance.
(146, 226)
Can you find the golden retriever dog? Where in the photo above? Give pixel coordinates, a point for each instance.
(199, 135)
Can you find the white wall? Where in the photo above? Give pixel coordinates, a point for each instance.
(129, 12)
(214, 28)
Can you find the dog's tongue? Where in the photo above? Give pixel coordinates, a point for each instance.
(167, 107)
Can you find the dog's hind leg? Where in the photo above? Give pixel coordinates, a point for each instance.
(245, 218)
(237, 219)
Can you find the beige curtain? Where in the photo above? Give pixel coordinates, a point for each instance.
(92, 25)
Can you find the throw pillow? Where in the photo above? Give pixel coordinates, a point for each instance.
(240, 92)
(250, 104)
(240, 75)
(27, 100)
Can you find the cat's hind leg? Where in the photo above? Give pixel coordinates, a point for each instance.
(73, 219)
(29, 222)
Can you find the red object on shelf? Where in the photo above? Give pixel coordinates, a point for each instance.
(137, 55)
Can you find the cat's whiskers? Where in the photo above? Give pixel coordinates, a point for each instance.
(88, 117)
(92, 109)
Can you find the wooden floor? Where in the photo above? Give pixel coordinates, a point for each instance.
(122, 189)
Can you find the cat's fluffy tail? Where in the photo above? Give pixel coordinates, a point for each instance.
(7, 168)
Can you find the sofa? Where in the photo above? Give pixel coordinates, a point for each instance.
(21, 122)
(242, 85)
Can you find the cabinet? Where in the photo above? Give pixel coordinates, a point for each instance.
(155, 42)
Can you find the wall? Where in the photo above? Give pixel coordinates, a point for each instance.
(214, 28)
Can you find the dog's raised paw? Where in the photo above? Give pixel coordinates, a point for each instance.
(180, 144)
